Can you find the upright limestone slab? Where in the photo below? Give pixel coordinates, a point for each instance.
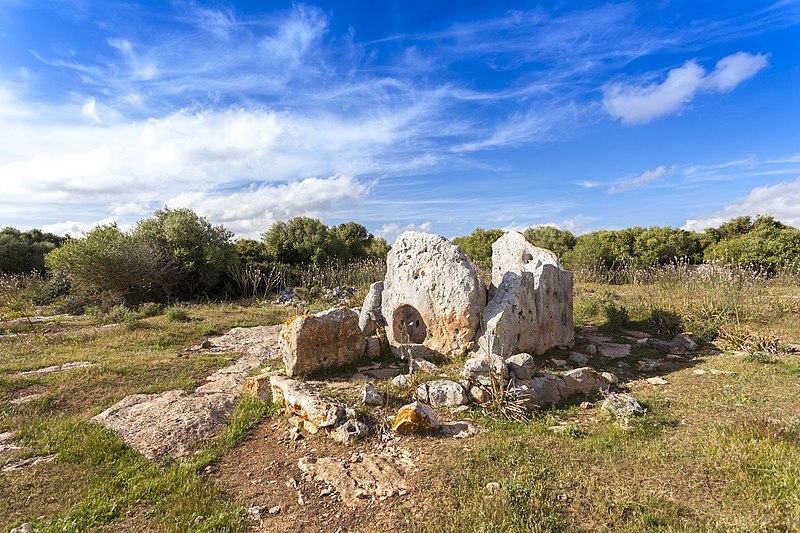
(531, 306)
(321, 340)
(431, 294)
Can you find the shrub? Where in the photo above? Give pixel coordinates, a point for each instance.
(178, 314)
(150, 309)
(616, 317)
(665, 323)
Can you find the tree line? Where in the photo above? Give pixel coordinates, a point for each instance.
(177, 254)
(761, 242)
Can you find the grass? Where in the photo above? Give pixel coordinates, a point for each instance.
(95, 478)
(713, 452)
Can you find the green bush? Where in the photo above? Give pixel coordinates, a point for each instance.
(665, 323)
(616, 317)
(150, 309)
(178, 314)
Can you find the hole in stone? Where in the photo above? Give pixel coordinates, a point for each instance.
(519, 337)
(408, 325)
(527, 258)
(324, 359)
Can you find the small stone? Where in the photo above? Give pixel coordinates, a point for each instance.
(206, 344)
(559, 363)
(442, 393)
(699, 371)
(657, 380)
(648, 365)
(586, 405)
(275, 510)
(27, 527)
(614, 350)
(608, 376)
(479, 394)
(521, 366)
(722, 372)
(415, 418)
(259, 387)
(685, 341)
(492, 487)
(578, 358)
(421, 365)
(350, 431)
(591, 349)
(371, 395)
(401, 381)
(256, 511)
(373, 347)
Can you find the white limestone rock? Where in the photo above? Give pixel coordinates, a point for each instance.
(306, 401)
(521, 366)
(321, 340)
(531, 299)
(370, 317)
(431, 295)
(442, 393)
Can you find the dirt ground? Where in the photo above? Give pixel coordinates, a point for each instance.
(264, 472)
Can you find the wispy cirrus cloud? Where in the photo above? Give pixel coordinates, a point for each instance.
(641, 103)
(642, 179)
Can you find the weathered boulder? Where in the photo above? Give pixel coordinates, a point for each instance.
(350, 431)
(442, 393)
(521, 366)
(321, 340)
(549, 389)
(685, 341)
(530, 309)
(370, 317)
(373, 348)
(431, 295)
(415, 418)
(584, 380)
(371, 395)
(578, 358)
(485, 368)
(306, 401)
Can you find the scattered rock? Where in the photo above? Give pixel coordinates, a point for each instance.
(485, 368)
(622, 406)
(521, 366)
(370, 317)
(442, 393)
(321, 340)
(259, 387)
(460, 430)
(25, 399)
(372, 477)
(578, 358)
(722, 372)
(549, 389)
(275, 510)
(584, 380)
(56, 368)
(27, 527)
(699, 371)
(373, 347)
(306, 401)
(371, 396)
(664, 346)
(649, 365)
(415, 418)
(350, 431)
(256, 512)
(558, 363)
(431, 295)
(685, 341)
(611, 378)
(403, 380)
(28, 462)
(421, 365)
(636, 334)
(613, 350)
(657, 380)
(591, 349)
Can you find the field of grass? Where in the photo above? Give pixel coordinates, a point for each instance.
(714, 451)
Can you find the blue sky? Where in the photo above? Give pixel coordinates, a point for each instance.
(399, 115)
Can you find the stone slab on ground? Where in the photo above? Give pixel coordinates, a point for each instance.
(56, 368)
(372, 477)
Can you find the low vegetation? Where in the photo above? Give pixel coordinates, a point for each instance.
(717, 450)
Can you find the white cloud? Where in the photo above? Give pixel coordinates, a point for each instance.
(391, 230)
(640, 103)
(782, 201)
(89, 110)
(643, 179)
(587, 184)
(79, 229)
(252, 211)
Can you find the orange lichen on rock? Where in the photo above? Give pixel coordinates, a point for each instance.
(415, 418)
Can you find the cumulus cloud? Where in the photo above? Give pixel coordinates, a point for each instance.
(89, 110)
(782, 201)
(79, 229)
(391, 230)
(251, 211)
(643, 179)
(640, 103)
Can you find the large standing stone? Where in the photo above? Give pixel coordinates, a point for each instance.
(531, 306)
(370, 317)
(432, 294)
(326, 339)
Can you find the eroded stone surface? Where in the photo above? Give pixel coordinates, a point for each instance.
(260, 387)
(521, 366)
(370, 317)
(531, 299)
(442, 393)
(321, 340)
(56, 368)
(168, 423)
(373, 477)
(432, 294)
(306, 401)
(415, 418)
(549, 389)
